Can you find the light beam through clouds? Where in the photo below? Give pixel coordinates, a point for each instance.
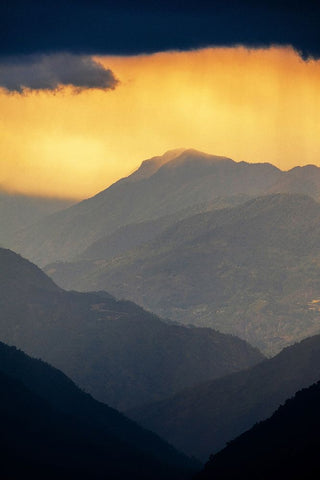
(260, 105)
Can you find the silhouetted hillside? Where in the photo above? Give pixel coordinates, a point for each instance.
(51, 429)
(284, 446)
(201, 420)
(252, 270)
(120, 353)
(161, 186)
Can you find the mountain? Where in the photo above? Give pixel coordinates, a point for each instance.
(284, 446)
(113, 349)
(252, 270)
(20, 211)
(161, 186)
(303, 180)
(202, 419)
(52, 429)
(134, 234)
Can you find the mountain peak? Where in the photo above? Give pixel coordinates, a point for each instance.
(173, 159)
(151, 165)
(196, 158)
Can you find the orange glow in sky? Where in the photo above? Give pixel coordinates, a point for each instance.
(251, 105)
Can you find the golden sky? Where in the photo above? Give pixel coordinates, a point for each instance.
(251, 105)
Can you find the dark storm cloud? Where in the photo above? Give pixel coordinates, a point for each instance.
(137, 26)
(48, 72)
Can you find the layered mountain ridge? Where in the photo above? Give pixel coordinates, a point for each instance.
(201, 420)
(52, 429)
(251, 270)
(113, 349)
(286, 445)
(161, 186)
(201, 240)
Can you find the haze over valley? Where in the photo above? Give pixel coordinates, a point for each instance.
(200, 240)
(159, 240)
(203, 241)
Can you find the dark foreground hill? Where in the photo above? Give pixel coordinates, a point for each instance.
(161, 186)
(252, 270)
(115, 350)
(201, 420)
(286, 446)
(51, 429)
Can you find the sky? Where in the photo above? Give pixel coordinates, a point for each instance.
(89, 90)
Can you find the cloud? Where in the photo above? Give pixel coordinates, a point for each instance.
(50, 72)
(126, 27)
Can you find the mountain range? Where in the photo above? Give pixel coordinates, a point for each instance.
(162, 186)
(202, 419)
(252, 270)
(283, 446)
(220, 250)
(115, 350)
(52, 429)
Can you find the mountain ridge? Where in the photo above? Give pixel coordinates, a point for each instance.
(155, 189)
(202, 419)
(117, 351)
(251, 270)
(286, 445)
(50, 425)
